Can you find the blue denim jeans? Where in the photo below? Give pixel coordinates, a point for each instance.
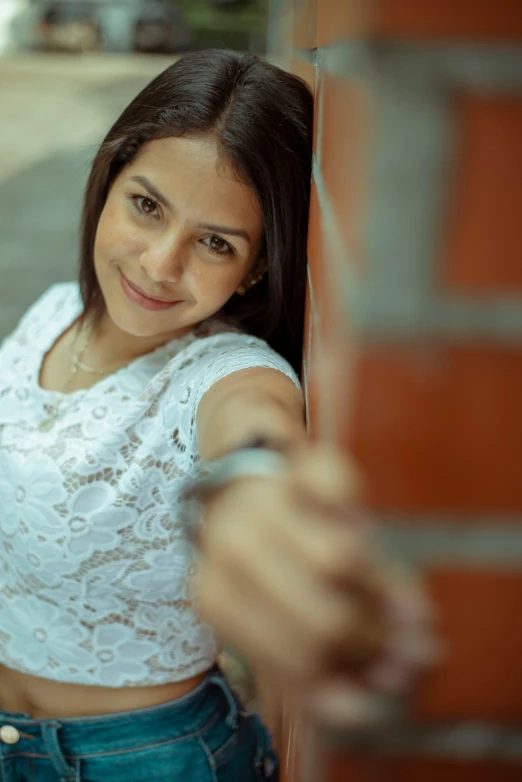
(205, 736)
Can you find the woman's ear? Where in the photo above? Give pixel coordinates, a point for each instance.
(254, 276)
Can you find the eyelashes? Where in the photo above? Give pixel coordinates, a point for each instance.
(148, 208)
(229, 250)
(135, 201)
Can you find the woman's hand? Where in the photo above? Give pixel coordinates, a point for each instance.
(289, 575)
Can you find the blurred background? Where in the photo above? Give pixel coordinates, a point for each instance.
(413, 359)
(67, 69)
(157, 26)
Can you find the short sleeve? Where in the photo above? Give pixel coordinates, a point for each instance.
(211, 360)
(237, 352)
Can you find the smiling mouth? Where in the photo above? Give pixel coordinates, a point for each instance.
(147, 296)
(136, 295)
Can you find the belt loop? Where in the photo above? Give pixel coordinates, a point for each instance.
(50, 730)
(219, 681)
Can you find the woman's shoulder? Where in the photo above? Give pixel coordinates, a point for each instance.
(57, 296)
(219, 349)
(225, 348)
(51, 303)
(218, 337)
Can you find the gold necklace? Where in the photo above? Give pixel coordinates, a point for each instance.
(47, 423)
(78, 364)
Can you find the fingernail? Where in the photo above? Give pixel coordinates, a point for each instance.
(345, 707)
(409, 609)
(415, 648)
(389, 676)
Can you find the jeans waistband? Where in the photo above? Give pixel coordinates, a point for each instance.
(124, 731)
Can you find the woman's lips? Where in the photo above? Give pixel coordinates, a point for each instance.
(139, 298)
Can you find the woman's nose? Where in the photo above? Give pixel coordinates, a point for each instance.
(164, 259)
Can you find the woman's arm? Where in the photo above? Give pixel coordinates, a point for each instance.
(252, 403)
(287, 571)
(249, 403)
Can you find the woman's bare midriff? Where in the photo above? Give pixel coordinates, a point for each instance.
(46, 699)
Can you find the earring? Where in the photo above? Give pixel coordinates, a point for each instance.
(243, 288)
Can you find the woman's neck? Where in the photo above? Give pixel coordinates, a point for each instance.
(110, 347)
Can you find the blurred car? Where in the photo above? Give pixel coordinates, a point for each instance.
(161, 27)
(71, 26)
(89, 25)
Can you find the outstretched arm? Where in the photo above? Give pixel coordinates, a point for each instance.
(288, 573)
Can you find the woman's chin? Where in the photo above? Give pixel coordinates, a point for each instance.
(143, 329)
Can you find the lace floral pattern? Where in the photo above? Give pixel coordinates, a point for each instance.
(94, 567)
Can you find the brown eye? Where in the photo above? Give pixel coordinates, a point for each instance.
(145, 206)
(148, 206)
(218, 244)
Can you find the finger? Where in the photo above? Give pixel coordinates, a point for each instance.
(336, 554)
(330, 602)
(343, 704)
(266, 638)
(408, 599)
(339, 627)
(305, 569)
(414, 647)
(389, 676)
(270, 520)
(323, 476)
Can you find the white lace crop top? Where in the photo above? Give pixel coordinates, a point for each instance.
(94, 568)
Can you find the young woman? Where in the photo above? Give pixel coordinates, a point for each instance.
(181, 344)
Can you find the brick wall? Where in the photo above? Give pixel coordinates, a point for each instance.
(414, 339)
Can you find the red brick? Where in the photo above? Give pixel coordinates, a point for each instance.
(315, 300)
(315, 246)
(321, 272)
(485, 240)
(326, 308)
(318, 87)
(332, 358)
(346, 139)
(339, 20)
(464, 20)
(303, 24)
(439, 428)
(480, 677)
(307, 327)
(312, 413)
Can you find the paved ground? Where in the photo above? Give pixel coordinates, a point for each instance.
(54, 112)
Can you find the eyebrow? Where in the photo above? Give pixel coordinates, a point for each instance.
(224, 229)
(147, 184)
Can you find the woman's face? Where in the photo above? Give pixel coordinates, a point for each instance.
(177, 227)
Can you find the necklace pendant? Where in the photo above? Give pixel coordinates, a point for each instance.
(46, 424)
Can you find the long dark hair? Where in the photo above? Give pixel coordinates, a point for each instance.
(261, 117)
